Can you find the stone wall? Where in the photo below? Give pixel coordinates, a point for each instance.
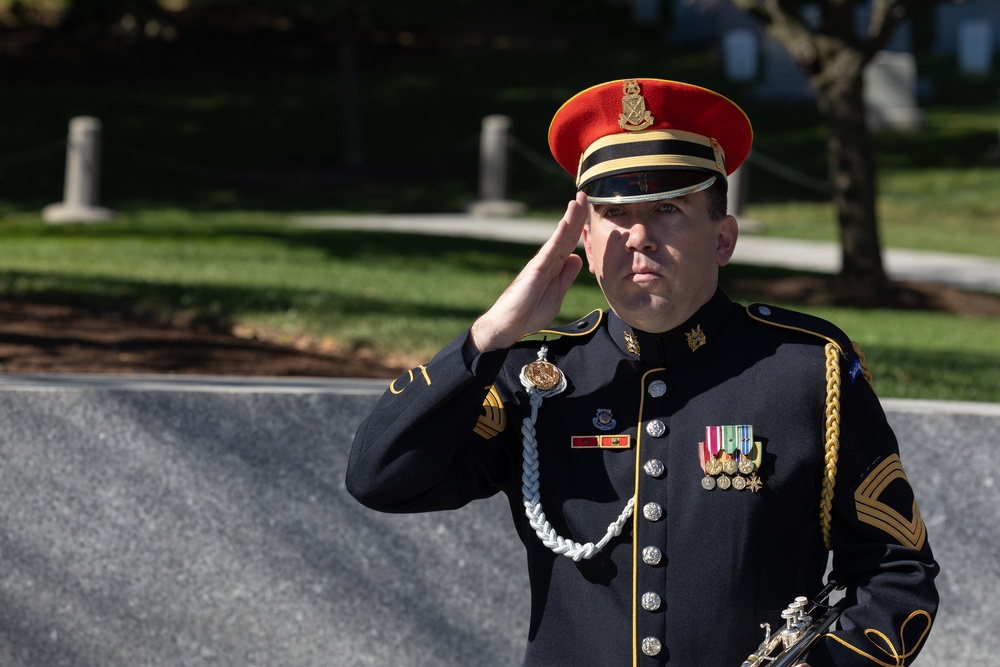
(178, 521)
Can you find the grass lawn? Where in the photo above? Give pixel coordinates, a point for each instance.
(205, 171)
(396, 292)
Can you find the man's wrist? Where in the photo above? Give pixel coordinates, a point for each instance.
(483, 337)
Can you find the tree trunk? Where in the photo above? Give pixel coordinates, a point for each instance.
(834, 58)
(852, 174)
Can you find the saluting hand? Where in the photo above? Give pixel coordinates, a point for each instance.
(533, 300)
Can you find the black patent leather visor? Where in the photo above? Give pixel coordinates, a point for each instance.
(643, 186)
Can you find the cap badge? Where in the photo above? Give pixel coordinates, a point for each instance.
(634, 116)
(696, 338)
(632, 343)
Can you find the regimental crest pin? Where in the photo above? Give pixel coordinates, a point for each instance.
(604, 420)
(634, 116)
(730, 458)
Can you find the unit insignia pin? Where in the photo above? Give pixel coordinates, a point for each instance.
(604, 420)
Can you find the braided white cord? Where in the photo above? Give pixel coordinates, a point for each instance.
(530, 488)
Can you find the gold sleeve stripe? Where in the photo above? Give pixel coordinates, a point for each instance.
(900, 656)
(494, 417)
(909, 532)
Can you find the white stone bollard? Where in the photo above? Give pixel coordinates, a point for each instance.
(890, 85)
(493, 144)
(83, 162)
(493, 158)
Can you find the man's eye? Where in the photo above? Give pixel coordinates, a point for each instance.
(668, 208)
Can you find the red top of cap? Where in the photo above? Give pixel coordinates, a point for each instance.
(596, 112)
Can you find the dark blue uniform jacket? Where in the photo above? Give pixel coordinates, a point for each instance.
(701, 563)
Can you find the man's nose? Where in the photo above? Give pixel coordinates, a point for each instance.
(640, 234)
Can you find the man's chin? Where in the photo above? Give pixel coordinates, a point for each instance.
(649, 312)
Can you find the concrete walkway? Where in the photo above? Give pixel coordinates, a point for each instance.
(963, 271)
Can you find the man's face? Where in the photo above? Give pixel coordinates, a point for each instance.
(658, 262)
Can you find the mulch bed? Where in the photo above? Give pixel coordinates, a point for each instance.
(38, 337)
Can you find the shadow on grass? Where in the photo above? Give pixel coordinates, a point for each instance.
(214, 305)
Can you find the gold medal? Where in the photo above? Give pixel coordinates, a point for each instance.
(708, 482)
(713, 466)
(747, 466)
(729, 466)
(739, 482)
(542, 375)
(724, 482)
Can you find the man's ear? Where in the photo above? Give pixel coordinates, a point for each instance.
(729, 231)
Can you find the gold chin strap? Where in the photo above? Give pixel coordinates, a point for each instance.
(832, 450)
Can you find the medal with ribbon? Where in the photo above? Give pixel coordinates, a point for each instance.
(730, 458)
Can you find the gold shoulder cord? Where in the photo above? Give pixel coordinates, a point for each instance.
(832, 449)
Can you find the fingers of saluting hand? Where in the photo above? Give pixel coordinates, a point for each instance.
(566, 235)
(548, 276)
(533, 300)
(556, 265)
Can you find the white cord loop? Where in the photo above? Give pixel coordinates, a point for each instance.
(530, 484)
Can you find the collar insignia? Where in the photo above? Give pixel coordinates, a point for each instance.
(632, 343)
(634, 116)
(696, 338)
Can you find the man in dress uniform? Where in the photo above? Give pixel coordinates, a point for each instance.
(678, 467)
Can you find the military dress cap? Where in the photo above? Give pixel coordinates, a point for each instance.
(647, 139)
